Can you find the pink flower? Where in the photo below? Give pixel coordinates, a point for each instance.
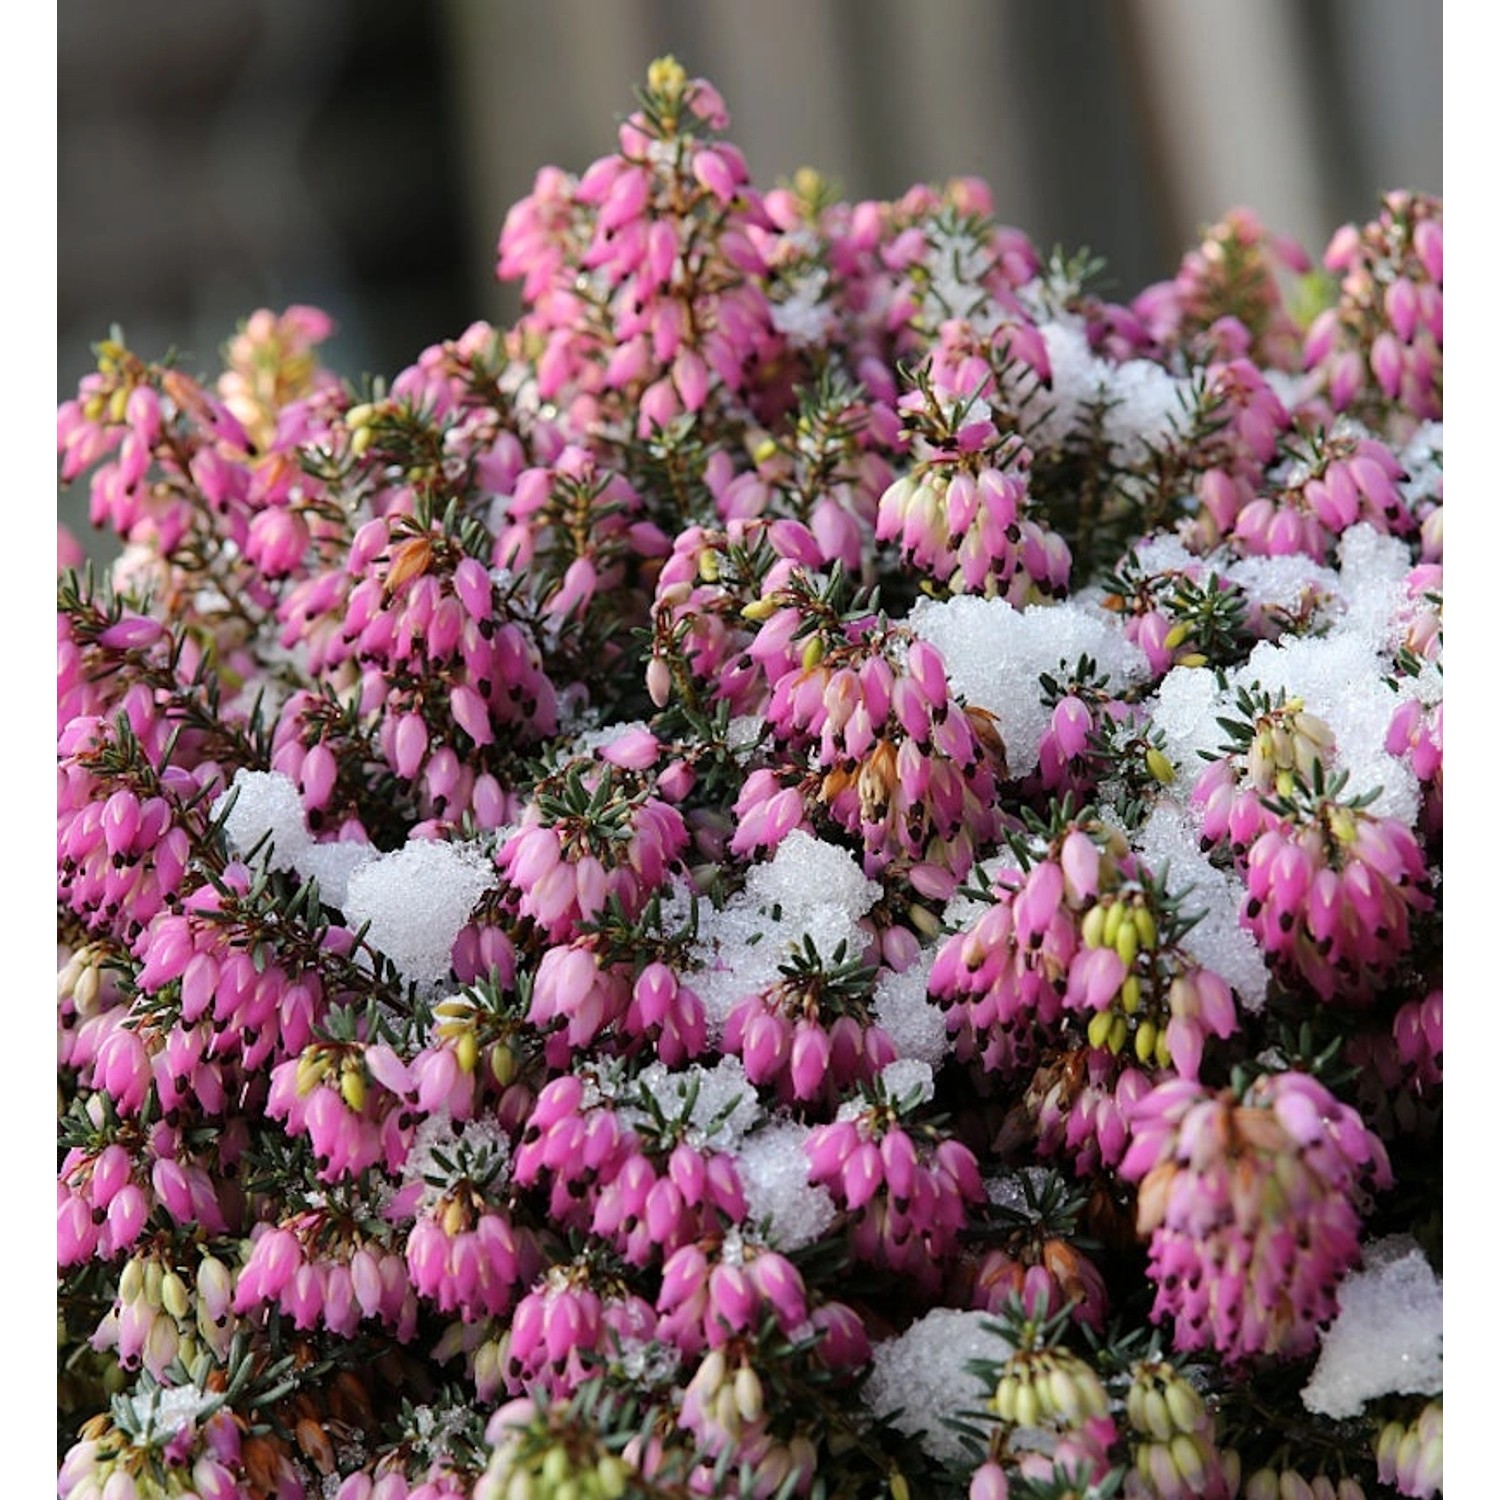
(1253, 1208)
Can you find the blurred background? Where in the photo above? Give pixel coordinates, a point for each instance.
(362, 156)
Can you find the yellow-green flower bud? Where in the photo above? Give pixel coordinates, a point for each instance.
(451, 1012)
(1342, 824)
(311, 1067)
(503, 1064)
(725, 1413)
(1184, 1403)
(711, 1374)
(1263, 1484)
(132, 1280)
(1187, 1459)
(1157, 1418)
(1074, 1389)
(1028, 1404)
(1145, 926)
(161, 1342)
(1058, 1392)
(466, 1050)
(1092, 927)
(1145, 1041)
(352, 1084)
(748, 1395)
(1099, 1028)
(174, 1295)
(214, 1281)
(667, 77)
(925, 922)
(1163, 1049)
(1113, 917)
(555, 1466)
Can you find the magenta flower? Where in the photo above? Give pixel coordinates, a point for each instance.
(1253, 1209)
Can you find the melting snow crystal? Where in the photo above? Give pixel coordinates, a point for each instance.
(1188, 706)
(995, 655)
(266, 802)
(1388, 1335)
(917, 1028)
(416, 900)
(1169, 842)
(807, 890)
(332, 865)
(772, 1167)
(724, 1102)
(1342, 679)
(1146, 403)
(922, 1377)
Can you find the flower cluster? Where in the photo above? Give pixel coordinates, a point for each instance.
(814, 872)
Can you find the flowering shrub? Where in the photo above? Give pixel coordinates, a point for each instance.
(815, 872)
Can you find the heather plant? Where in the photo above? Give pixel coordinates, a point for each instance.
(815, 872)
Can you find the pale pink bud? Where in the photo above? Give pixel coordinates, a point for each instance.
(1345, 379)
(634, 750)
(577, 589)
(1427, 240)
(659, 681)
(809, 1059)
(691, 377)
(988, 1482)
(731, 1296)
(471, 582)
(1072, 724)
(125, 1217)
(844, 1344)
(862, 1174)
(318, 774)
(1080, 866)
(1401, 308)
(713, 172)
(471, 714)
(131, 633)
(277, 541)
(1385, 361)
(1094, 978)
(410, 745)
